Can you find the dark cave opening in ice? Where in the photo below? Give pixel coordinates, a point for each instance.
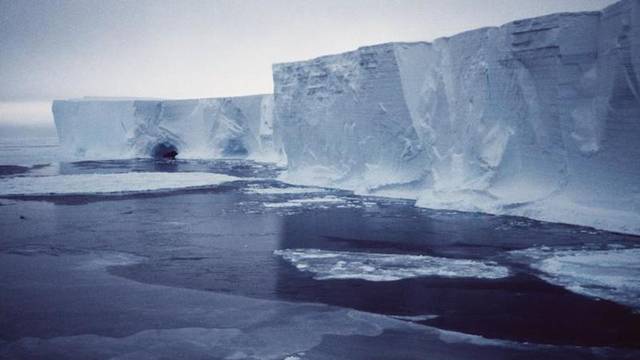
(165, 151)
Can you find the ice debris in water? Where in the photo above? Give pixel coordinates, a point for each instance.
(108, 183)
(612, 274)
(327, 265)
(283, 190)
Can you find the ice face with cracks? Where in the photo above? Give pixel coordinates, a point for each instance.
(239, 127)
(536, 118)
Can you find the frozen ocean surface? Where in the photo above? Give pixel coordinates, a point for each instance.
(242, 265)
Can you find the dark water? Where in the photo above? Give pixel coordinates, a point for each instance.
(222, 240)
(520, 307)
(13, 170)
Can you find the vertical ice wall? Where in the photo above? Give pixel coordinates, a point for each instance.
(539, 117)
(199, 128)
(344, 122)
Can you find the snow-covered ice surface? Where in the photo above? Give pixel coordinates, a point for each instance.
(327, 265)
(612, 274)
(538, 118)
(108, 183)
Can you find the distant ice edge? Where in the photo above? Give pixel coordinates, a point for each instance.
(537, 118)
(234, 127)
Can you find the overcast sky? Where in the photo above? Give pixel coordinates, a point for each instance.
(185, 48)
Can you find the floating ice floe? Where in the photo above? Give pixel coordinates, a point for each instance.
(324, 200)
(327, 265)
(108, 183)
(414, 317)
(286, 204)
(284, 190)
(612, 274)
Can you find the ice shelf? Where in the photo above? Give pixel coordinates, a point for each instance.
(539, 118)
(237, 127)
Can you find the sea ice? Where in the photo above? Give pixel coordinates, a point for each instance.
(283, 190)
(612, 274)
(325, 200)
(327, 265)
(108, 183)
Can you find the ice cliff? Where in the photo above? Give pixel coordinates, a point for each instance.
(539, 117)
(200, 128)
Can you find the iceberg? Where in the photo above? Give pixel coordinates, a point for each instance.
(237, 127)
(538, 118)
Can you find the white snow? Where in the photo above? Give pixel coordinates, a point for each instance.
(108, 183)
(612, 274)
(327, 265)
